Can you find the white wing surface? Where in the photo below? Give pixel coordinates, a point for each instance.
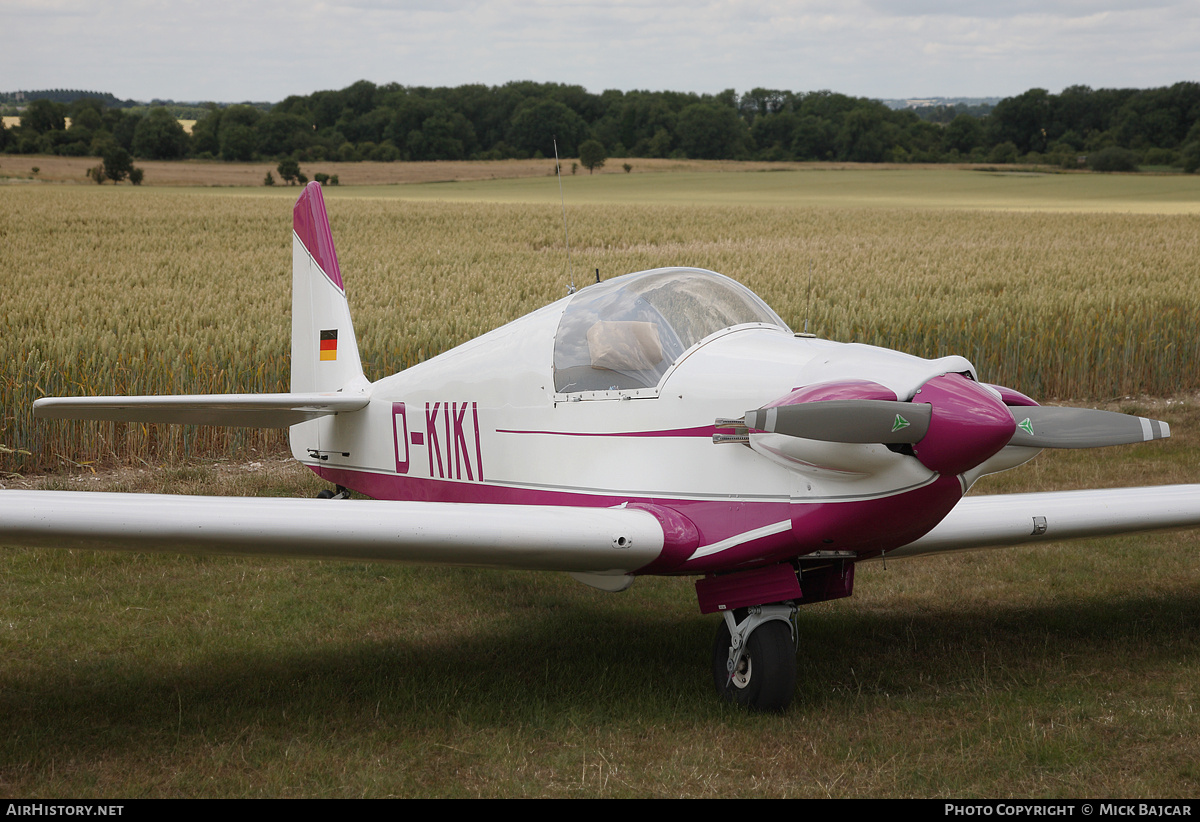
(547, 538)
(244, 410)
(1017, 519)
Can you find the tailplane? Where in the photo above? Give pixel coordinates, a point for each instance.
(327, 377)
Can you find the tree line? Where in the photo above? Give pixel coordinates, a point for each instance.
(1113, 128)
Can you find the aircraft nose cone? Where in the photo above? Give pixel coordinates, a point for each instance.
(968, 424)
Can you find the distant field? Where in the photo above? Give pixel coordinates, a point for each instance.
(19, 169)
(863, 187)
(819, 185)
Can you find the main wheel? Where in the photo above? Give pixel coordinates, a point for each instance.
(765, 678)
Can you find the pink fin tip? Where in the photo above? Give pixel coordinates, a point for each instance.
(312, 227)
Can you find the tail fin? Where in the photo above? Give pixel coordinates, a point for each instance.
(324, 348)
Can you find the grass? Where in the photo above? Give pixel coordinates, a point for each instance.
(214, 173)
(1064, 671)
(800, 185)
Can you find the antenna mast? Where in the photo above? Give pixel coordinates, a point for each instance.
(807, 304)
(561, 199)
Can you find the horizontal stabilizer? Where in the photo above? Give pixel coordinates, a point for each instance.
(532, 537)
(238, 410)
(1016, 519)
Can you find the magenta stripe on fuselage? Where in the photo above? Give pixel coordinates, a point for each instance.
(867, 527)
(706, 431)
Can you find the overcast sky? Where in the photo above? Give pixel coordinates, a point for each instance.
(264, 50)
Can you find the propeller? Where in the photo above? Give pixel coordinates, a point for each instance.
(846, 420)
(952, 423)
(1044, 426)
(1038, 426)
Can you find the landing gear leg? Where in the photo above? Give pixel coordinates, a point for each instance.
(341, 493)
(754, 657)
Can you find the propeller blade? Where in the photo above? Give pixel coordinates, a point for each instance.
(886, 421)
(1045, 426)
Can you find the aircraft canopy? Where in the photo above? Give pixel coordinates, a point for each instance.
(626, 333)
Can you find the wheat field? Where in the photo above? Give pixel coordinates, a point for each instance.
(147, 291)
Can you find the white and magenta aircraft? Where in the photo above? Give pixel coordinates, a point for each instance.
(663, 422)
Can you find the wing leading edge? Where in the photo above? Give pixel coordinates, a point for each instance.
(1017, 519)
(542, 538)
(527, 537)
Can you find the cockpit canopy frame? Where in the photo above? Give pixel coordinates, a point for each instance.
(621, 337)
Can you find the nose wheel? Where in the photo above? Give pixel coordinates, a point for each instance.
(754, 657)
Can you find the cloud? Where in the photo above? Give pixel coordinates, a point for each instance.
(222, 50)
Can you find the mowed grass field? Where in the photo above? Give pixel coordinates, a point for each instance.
(1063, 671)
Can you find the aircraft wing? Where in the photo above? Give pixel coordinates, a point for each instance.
(585, 541)
(1018, 519)
(245, 410)
(549, 538)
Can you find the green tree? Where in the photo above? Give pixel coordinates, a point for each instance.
(205, 139)
(1005, 152)
(87, 112)
(237, 134)
(289, 171)
(862, 137)
(709, 131)
(159, 136)
(536, 125)
(1024, 120)
(964, 134)
(592, 155)
(772, 133)
(117, 163)
(814, 138)
(42, 116)
(1113, 158)
(281, 133)
(1190, 157)
(445, 135)
(124, 129)
(238, 142)
(1189, 154)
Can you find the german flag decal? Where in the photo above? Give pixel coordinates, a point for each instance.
(329, 345)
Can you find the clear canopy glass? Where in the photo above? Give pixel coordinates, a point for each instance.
(626, 333)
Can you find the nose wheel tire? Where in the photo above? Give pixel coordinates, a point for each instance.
(764, 678)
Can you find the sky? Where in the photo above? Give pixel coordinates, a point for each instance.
(265, 50)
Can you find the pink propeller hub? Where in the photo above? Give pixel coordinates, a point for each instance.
(969, 424)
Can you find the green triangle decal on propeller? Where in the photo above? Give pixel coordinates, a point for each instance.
(1068, 427)
(900, 423)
